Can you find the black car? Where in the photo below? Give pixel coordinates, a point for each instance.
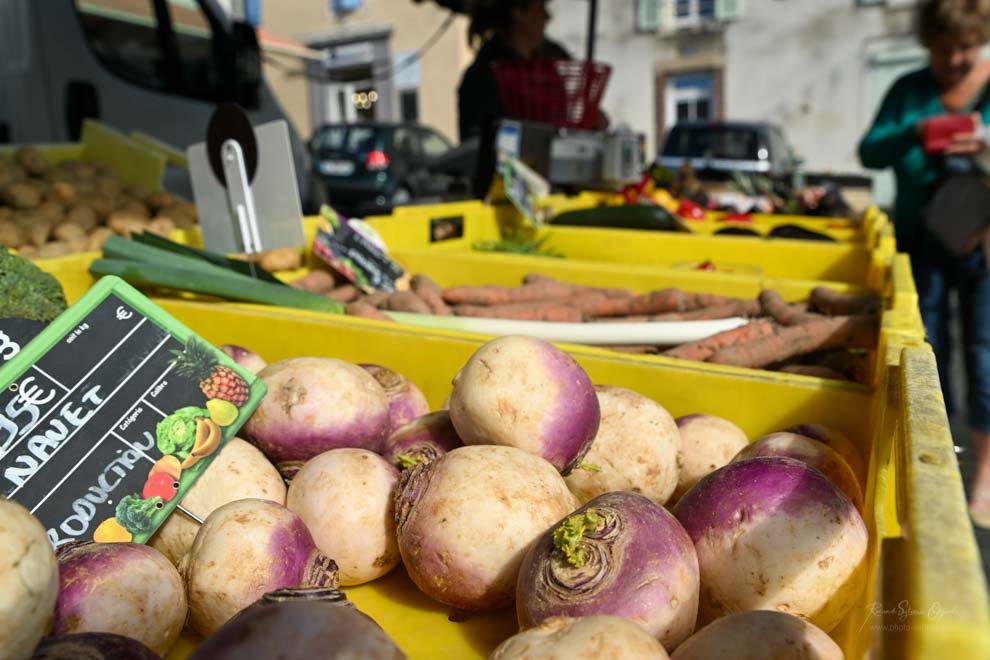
(723, 147)
(370, 167)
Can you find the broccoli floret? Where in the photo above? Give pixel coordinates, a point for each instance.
(134, 514)
(28, 291)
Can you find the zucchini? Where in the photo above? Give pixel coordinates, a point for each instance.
(631, 216)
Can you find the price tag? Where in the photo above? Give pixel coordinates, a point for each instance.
(357, 257)
(111, 413)
(15, 334)
(525, 188)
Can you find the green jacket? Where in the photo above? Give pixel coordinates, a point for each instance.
(893, 141)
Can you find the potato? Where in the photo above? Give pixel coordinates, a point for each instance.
(69, 232)
(108, 185)
(162, 227)
(6, 213)
(280, 259)
(85, 171)
(62, 192)
(11, 234)
(52, 210)
(102, 205)
(39, 230)
(21, 195)
(54, 249)
(181, 219)
(125, 224)
(97, 237)
(133, 207)
(159, 200)
(83, 216)
(28, 251)
(78, 245)
(317, 281)
(32, 160)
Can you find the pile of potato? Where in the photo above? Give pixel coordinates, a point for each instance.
(51, 211)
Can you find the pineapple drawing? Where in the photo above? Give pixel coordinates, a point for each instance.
(197, 363)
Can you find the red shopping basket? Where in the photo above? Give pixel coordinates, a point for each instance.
(562, 93)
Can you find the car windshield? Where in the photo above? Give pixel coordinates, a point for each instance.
(712, 142)
(350, 139)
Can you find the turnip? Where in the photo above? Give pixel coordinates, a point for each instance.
(315, 405)
(244, 550)
(93, 646)
(299, 623)
(465, 521)
(593, 637)
(526, 393)
(620, 554)
(635, 449)
(405, 401)
(775, 534)
(239, 471)
(422, 440)
(28, 581)
(707, 443)
(838, 441)
(810, 452)
(346, 498)
(244, 357)
(122, 588)
(758, 635)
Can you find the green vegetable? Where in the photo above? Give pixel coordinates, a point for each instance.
(134, 514)
(631, 216)
(177, 432)
(27, 291)
(517, 246)
(567, 537)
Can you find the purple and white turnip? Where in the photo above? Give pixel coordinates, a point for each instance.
(465, 521)
(314, 405)
(594, 637)
(93, 646)
(299, 623)
(757, 635)
(707, 443)
(421, 441)
(122, 588)
(244, 550)
(245, 357)
(838, 441)
(28, 581)
(526, 393)
(405, 401)
(774, 533)
(620, 554)
(635, 449)
(346, 497)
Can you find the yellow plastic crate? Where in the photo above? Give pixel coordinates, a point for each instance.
(937, 562)
(133, 164)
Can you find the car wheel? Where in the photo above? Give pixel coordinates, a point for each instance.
(401, 196)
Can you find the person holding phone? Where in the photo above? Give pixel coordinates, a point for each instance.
(955, 82)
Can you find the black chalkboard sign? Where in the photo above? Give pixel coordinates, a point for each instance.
(109, 416)
(16, 333)
(353, 255)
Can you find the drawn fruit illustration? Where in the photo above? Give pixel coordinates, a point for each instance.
(110, 531)
(166, 465)
(207, 441)
(198, 363)
(224, 413)
(160, 485)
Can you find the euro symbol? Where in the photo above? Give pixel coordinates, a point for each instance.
(123, 314)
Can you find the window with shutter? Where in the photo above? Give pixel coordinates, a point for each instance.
(647, 15)
(729, 10)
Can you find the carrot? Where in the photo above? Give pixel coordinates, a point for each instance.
(853, 364)
(376, 299)
(344, 293)
(317, 281)
(407, 301)
(831, 302)
(774, 306)
(787, 342)
(431, 293)
(658, 302)
(536, 278)
(642, 349)
(531, 311)
(728, 310)
(364, 310)
(705, 348)
(500, 295)
(812, 370)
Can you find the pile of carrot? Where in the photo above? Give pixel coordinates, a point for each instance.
(829, 336)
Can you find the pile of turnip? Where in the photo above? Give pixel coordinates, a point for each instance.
(612, 528)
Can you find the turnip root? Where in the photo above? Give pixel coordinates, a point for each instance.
(240, 471)
(28, 581)
(620, 554)
(244, 357)
(837, 441)
(758, 635)
(595, 637)
(244, 550)
(635, 449)
(405, 401)
(707, 443)
(526, 393)
(465, 521)
(775, 534)
(315, 405)
(93, 646)
(810, 452)
(122, 588)
(421, 441)
(346, 497)
(300, 623)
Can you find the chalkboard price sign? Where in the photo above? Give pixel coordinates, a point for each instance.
(110, 415)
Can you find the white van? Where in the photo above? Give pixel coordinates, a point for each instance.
(155, 66)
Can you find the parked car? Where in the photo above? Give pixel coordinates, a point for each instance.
(716, 149)
(370, 167)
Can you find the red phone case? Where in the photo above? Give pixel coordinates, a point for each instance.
(937, 132)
